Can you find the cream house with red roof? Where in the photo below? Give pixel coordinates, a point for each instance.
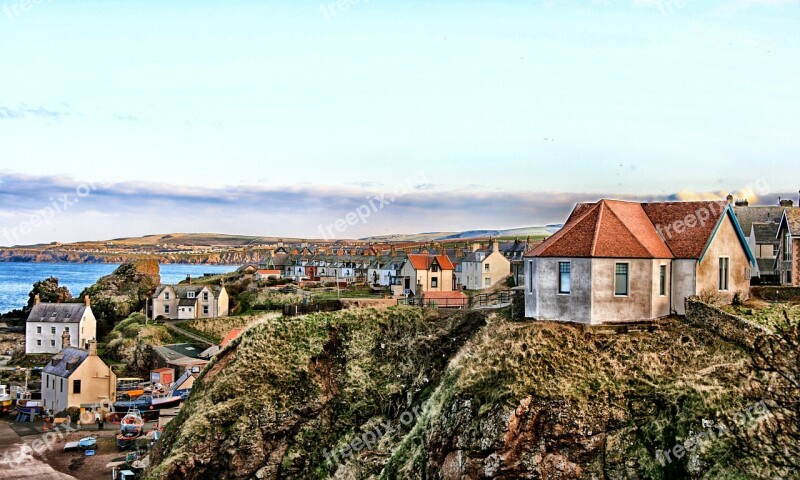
(626, 261)
(428, 273)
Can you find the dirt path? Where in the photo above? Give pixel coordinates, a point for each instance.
(14, 466)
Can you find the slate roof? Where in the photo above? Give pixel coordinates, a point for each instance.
(64, 363)
(187, 302)
(181, 291)
(749, 215)
(57, 312)
(792, 219)
(766, 233)
(609, 229)
(424, 262)
(766, 265)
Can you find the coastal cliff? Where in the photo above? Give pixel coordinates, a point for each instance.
(407, 393)
(236, 257)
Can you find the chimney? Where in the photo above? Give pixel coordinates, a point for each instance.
(476, 246)
(189, 279)
(65, 340)
(742, 203)
(37, 299)
(786, 203)
(86, 301)
(495, 246)
(93, 348)
(729, 198)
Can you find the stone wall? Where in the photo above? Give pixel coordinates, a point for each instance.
(726, 326)
(776, 294)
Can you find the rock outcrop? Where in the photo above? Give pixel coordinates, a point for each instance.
(124, 291)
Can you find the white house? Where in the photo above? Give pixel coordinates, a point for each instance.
(179, 302)
(483, 268)
(48, 322)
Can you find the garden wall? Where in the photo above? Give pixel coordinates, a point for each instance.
(726, 326)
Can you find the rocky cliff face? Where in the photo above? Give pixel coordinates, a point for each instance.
(402, 393)
(125, 291)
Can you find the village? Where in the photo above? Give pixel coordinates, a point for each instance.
(613, 264)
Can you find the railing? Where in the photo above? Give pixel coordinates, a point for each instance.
(482, 300)
(295, 309)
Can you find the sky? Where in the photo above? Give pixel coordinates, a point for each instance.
(281, 118)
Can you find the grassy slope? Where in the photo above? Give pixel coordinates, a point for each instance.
(293, 388)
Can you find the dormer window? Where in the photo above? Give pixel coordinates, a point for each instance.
(190, 295)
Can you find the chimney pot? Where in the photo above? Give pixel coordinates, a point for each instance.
(730, 199)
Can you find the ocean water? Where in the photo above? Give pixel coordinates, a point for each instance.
(17, 279)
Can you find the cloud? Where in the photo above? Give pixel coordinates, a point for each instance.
(24, 111)
(85, 210)
(740, 5)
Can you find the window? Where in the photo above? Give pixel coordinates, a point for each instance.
(38, 329)
(38, 343)
(787, 247)
(66, 329)
(564, 278)
(76, 386)
(166, 295)
(53, 330)
(724, 264)
(62, 385)
(434, 282)
(621, 280)
(789, 277)
(486, 268)
(488, 282)
(434, 268)
(775, 249)
(530, 276)
(662, 286)
(52, 343)
(205, 309)
(189, 294)
(205, 296)
(166, 308)
(47, 378)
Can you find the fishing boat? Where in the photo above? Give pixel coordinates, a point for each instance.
(131, 428)
(129, 388)
(150, 402)
(5, 400)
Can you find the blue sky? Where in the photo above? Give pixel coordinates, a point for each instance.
(505, 112)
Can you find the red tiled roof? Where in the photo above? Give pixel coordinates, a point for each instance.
(609, 229)
(231, 336)
(424, 262)
(686, 242)
(444, 295)
(269, 272)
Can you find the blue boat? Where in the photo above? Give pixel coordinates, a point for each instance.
(88, 443)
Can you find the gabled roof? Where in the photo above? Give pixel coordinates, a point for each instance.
(791, 219)
(64, 363)
(57, 312)
(749, 215)
(181, 291)
(766, 233)
(424, 262)
(607, 229)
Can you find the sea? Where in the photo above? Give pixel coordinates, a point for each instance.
(17, 278)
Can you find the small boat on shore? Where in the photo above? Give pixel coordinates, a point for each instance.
(150, 402)
(5, 400)
(88, 443)
(131, 428)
